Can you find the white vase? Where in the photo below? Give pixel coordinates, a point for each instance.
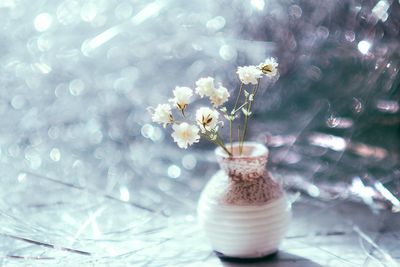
(243, 210)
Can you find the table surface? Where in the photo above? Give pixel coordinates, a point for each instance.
(69, 225)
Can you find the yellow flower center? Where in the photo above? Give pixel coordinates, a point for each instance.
(185, 135)
(181, 106)
(206, 120)
(266, 68)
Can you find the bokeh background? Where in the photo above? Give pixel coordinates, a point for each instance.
(83, 169)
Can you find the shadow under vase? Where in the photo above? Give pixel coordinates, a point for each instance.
(277, 259)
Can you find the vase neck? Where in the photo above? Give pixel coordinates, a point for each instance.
(247, 167)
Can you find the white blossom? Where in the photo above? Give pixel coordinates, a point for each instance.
(249, 74)
(207, 118)
(205, 86)
(182, 97)
(220, 96)
(185, 134)
(162, 114)
(269, 67)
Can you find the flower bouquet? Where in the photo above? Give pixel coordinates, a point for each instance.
(242, 209)
(207, 123)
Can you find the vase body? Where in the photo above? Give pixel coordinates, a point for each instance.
(242, 209)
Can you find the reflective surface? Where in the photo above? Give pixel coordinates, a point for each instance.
(85, 178)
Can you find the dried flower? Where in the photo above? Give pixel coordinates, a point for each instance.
(182, 97)
(220, 96)
(205, 86)
(207, 118)
(185, 134)
(249, 74)
(269, 67)
(162, 114)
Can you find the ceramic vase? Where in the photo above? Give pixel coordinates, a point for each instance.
(242, 209)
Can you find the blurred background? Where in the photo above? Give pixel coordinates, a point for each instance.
(83, 169)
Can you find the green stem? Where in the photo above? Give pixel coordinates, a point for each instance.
(256, 89)
(238, 96)
(227, 151)
(239, 137)
(246, 118)
(241, 142)
(209, 139)
(217, 142)
(230, 134)
(221, 144)
(239, 108)
(234, 110)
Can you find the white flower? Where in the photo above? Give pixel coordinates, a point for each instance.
(205, 86)
(185, 134)
(162, 114)
(207, 118)
(182, 97)
(249, 74)
(269, 67)
(220, 96)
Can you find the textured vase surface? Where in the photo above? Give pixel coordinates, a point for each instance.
(243, 210)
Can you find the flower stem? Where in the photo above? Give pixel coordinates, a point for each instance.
(246, 121)
(238, 136)
(218, 142)
(239, 108)
(222, 144)
(226, 150)
(246, 117)
(238, 96)
(256, 88)
(234, 110)
(230, 135)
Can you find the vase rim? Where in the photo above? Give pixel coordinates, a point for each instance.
(258, 149)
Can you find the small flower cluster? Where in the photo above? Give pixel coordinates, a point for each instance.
(206, 123)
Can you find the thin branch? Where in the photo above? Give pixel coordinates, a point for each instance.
(217, 142)
(39, 243)
(239, 108)
(238, 95)
(230, 135)
(249, 100)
